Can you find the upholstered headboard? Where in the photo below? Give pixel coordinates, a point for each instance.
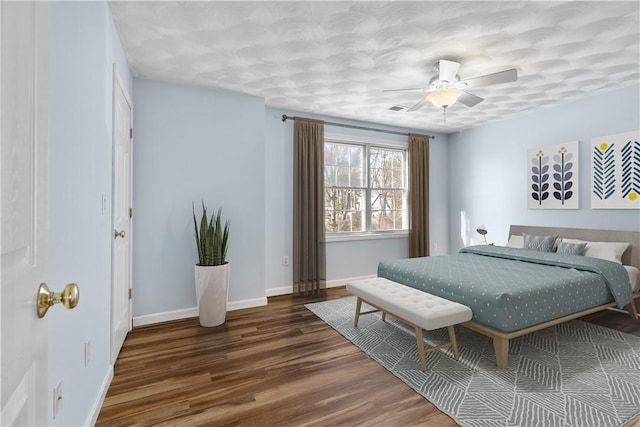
(630, 257)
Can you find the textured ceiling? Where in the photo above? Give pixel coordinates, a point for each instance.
(335, 58)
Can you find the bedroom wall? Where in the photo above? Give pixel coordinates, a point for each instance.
(193, 144)
(488, 175)
(83, 47)
(344, 259)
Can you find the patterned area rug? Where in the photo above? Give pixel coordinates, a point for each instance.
(573, 374)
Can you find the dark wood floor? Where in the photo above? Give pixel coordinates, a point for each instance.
(276, 365)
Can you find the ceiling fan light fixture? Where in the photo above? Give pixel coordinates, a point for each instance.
(444, 98)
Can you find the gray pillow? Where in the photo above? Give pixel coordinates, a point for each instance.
(539, 243)
(571, 248)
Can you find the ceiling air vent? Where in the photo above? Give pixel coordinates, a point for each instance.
(396, 108)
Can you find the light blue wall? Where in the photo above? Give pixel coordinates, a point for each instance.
(83, 47)
(193, 144)
(344, 259)
(488, 176)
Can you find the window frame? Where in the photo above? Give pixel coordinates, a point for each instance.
(368, 144)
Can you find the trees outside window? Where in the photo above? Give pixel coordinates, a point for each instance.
(365, 188)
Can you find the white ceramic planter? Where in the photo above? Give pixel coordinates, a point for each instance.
(212, 290)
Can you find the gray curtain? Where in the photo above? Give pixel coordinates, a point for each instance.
(419, 195)
(309, 252)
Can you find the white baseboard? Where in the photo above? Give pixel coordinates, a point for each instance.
(284, 290)
(97, 404)
(246, 303)
(149, 319)
(185, 313)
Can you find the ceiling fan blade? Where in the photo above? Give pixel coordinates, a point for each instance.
(469, 99)
(493, 79)
(418, 105)
(448, 70)
(406, 90)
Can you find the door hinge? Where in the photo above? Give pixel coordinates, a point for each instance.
(130, 133)
(129, 293)
(130, 212)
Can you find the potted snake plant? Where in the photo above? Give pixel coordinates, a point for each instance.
(212, 270)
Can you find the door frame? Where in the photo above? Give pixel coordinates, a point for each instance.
(119, 85)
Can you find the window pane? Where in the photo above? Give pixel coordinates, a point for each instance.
(356, 177)
(344, 165)
(386, 168)
(342, 155)
(398, 178)
(382, 220)
(329, 154)
(388, 210)
(374, 158)
(330, 176)
(374, 177)
(388, 221)
(387, 199)
(344, 210)
(357, 165)
(342, 178)
(357, 155)
(401, 222)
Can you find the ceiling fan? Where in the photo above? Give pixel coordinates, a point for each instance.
(447, 88)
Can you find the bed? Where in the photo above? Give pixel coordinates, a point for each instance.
(513, 292)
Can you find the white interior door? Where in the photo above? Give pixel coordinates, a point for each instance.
(24, 210)
(121, 248)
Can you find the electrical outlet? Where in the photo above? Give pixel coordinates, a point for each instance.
(435, 246)
(57, 399)
(285, 260)
(87, 353)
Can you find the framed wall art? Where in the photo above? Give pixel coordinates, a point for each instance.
(553, 176)
(615, 171)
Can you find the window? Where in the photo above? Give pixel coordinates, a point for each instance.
(365, 188)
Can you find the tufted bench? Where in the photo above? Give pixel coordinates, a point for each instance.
(416, 308)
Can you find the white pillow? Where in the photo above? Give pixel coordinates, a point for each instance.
(611, 251)
(516, 242)
(634, 277)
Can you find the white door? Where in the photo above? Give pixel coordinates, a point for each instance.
(121, 248)
(24, 229)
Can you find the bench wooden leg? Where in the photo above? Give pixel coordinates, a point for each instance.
(384, 316)
(631, 309)
(420, 343)
(501, 348)
(454, 343)
(358, 305)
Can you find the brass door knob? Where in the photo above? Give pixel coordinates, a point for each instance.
(46, 298)
(118, 234)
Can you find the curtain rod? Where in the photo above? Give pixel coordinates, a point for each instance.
(285, 118)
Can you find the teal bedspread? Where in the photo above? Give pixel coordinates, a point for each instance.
(510, 289)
